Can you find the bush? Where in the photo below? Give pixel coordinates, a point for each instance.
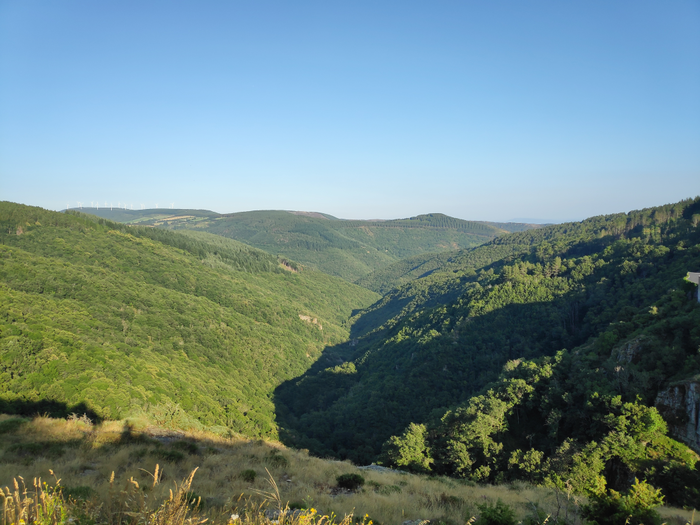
(498, 514)
(81, 492)
(636, 507)
(248, 475)
(11, 425)
(350, 481)
(187, 446)
(174, 456)
(277, 460)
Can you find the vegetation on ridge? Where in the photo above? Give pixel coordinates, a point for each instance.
(346, 248)
(437, 359)
(195, 330)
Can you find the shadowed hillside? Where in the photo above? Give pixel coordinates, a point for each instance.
(432, 353)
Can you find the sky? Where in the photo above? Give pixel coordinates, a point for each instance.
(493, 110)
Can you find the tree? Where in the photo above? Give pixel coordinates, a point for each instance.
(409, 450)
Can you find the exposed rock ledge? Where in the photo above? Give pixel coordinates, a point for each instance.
(679, 404)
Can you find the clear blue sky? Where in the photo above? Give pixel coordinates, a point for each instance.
(361, 109)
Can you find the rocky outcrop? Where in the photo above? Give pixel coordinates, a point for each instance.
(679, 404)
(628, 352)
(311, 320)
(379, 468)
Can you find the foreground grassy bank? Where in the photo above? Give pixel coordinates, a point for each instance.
(129, 472)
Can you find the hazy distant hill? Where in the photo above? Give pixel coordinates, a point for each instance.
(147, 217)
(190, 328)
(346, 248)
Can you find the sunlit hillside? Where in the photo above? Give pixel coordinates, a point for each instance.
(194, 330)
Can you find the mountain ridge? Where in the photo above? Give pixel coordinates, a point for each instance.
(432, 356)
(350, 249)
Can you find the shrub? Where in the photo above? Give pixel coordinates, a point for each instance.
(275, 459)
(248, 475)
(187, 446)
(81, 492)
(11, 425)
(350, 481)
(636, 507)
(498, 514)
(174, 456)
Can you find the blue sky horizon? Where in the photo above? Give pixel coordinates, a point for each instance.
(482, 111)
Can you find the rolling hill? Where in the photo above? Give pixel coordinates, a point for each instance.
(344, 248)
(192, 329)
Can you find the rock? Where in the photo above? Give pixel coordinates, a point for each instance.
(381, 469)
(628, 352)
(679, 405)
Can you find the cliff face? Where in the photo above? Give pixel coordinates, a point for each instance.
(680, 406)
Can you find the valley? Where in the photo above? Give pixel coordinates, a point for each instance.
(474, 352)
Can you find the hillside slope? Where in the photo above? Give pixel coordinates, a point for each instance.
(439, 340)
(194, 330)
(344, 248)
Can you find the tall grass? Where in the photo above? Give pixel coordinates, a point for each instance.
(127, 472)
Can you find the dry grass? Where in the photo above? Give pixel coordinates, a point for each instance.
(130, 466)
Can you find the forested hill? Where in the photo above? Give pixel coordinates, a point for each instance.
(147, 217)
(611, 289)
(346, 248)
(190, 328)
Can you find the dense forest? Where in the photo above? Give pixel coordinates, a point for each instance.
(344, 248)
(465, 371)
(189, 329)
(538, 355)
